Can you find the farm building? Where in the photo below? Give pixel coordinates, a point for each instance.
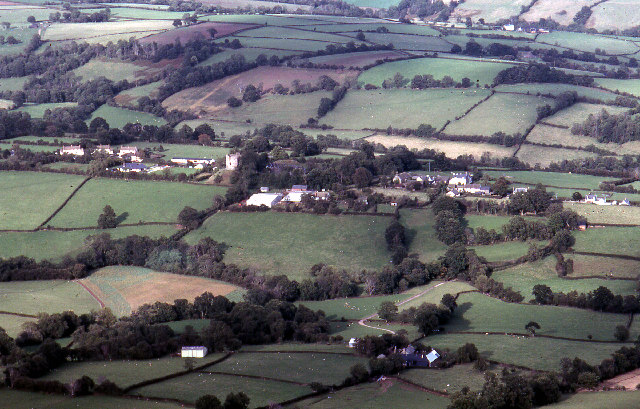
(193, 352)
(264, 199)
(232, 160)
(453, 193)
(475, 189)
(299, 188)
(411, 358)
(353, 342)
(76, 150)
(193, 161)
(130, 152)
(461, 179)
(597, 200)
(520, 190)
(104, 149)
(131, 167)
(624, 202)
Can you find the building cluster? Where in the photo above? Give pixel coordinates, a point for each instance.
(593, 198)
(294, 195)
(457, 183)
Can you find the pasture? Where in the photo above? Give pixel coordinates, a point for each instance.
(116, 70)
(131, 96)
(249, 54)
(189, 387)
(287, 44)
(371, 26)
(614, 15)
(31, 187)
(126, 13)
(421, 234)
(13, 399)
(478, 71)
(290, 243)
(588, 43)
(579, 112)
(609, 240)
(594, 265)
(186, 34)
(491, 11)
(597, 400)
(545, 134)
(480, 313)
(124, 289)
(409, 42)
(133, 28)
(22, 34)
(350, 330)
(359, 59)
(353, 308)
(172, 150)
(435, 294)
(402, 108)
(119, 117)
(13, 324)
(517, 111)
(554, 9)
(543, 155)
(50, 296)
(607, 214)
(564, 180)
(509, 250)
(13, 84)
(38, 110)
(631, 86)
(448, 380)
(557, 89)
(133, 201)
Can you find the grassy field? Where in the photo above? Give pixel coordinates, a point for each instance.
(250, 54)
(12, 399)
(32, 187)
(478, 71)
(73, 167)
(222, 128)
(421, 235)
(601, 266)
(290, 243)
(171, 150)
(133, 28)
(550, 135)
(24, 35)
(38, 110)
(116, 70)
(589, 43)
(51, 296)
(124, 289)
(298, 347)
(565, 180)
(448, 380)
(509, 250)
(629, 86)
(13, 324)
(518, 112)
(408, 42)
(434, 295)
(552, 9)
(359, 59)
(328, 369)
(579, 112)
(556, 89)
(598, 400)
(131, 96)
(189, 387)
(491, 11)
(353, 308)
(536, 353)
(609, 240)
(119, 117)
(53, 245)
(350, 330)
(533, 154)
(607, 214)
(387, 394)
(133, 201)
(401, 108)
(124, 373)
(480, 313)
(12, 84)
(525, 276)
(615, 15)
(60, 140)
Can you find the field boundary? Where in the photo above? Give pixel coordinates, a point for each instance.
(55, 212)
(95, 297)
(262, 378)
(620, 256)
(421, 387)
(527, 335)
(17, 314)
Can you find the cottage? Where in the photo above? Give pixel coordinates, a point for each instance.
(353, 342)
(453, 193)
(193, 161)
(597, 200)
(461, 179)
(130, 152)
(476, 189)
(624, 202)
(76, 150)
(193, 352)
(264, 199)
(509, 27)
(520, 190)
(401, 178)
(232, 161)
(411, 358)
(103, 149)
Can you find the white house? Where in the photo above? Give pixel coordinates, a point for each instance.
(104, 149)
(264, 199)
(509, 27)
(295, 197)
(597, 200)
(232, 161)
(193, 352)
(520, 190)
(72, 150)
(624, 202)
(131, 152)
(475, 189)
(193, 161)
(460, 179)
(353, 342)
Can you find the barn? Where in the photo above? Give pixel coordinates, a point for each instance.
(193, 352)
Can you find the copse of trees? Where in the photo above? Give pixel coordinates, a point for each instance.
(535, 201)
(600, 299)
(609, 128)
(536, 72)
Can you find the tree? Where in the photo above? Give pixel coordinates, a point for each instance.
(362, 177)
(108, 219)
(621, 333)
(250, 93)
(234, 102)
(236, 401)
(532, 326)
(212, 32)
(208, 402)
(189, 218)
(98, 123)
(577, 196)
(359, 373)
(177, 23)
(543, 294)
(501, 187)
(189, 364)
(31, 19)
(388, 311)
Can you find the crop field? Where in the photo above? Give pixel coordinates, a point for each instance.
(533, 352)
(518, 112)
(533, 154)
(119, 117)
(607, 214)
(329, 369)
(386, 394)
(360, 59)
(631, 86)
(51, 296)
(592, 400)
(557, 89)
(38, 110)
(421, 235)
(124, 289)
(524, 277)
(189, 387)
(480, 313)
(31, 187)
(478, 71)
(186, 34)
(19, 399)
(491, 11)
(450, 148)
(448, 380)
(509, 250)
(53, 245)
(589, 43)
(553, 9)
(214, 95)
(615, 15)
(401, 107)
(268, 242)
(566, 180)
(133, 201)
(609, 240)
(409, 42)
(12, 84)
(134, 28)
(249, 54)
(353, 308)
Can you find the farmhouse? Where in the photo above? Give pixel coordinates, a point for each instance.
(598, 200)
(193, 352)
(411, 358)
(76, 150)
(520, 190)
(264, 199)
(624, 202)
(460, 179)
(232, 161)
(130, 152)
(475, 189)
(104, 149)
(193, 161)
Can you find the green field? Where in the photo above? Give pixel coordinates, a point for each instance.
(66, 166)
(630, 86)
(608, 214)
(509, 250)
(586, 266)
(599, 400)
(290, 243)
(134, 201)
(250, 54)
(556, 89)
(171, 150)
(124, 373)
(409, 42)
(492, 11)
(564, 180)
(113, 70)
(23, 34)
(12, 84)
(189, 387)
(350, 330)
(577, 113)
(373, 25)
(119, 117)
(53, 245)
(60, 140)
(448, 380)
(51, 296)
(480, 313)
(478, 71)
(12, 399)
(353, 308)
(131, 96)
(401, 108)
(38, 110)
(140, 13)
(550, 135)
(31, 187)
(421, 235)
(13, 324)
(517, 113)
(434, 295)
(609, 240)
(134, 28)
(525, 276)
(328, 369)
(587, 42)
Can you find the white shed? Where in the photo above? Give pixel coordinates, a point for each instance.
(193, 352)
(264, 199)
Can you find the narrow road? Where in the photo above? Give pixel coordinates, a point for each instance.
(365, 319)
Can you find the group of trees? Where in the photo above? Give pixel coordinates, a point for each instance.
(606, 127)
(449, 220)
(536, 72)
(600, 299)
(427, 317)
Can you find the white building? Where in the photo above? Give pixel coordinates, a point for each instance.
(232, 161)
(460, 179)
(104, 149)
(193, 161)
(193, 352)
(72, 150)
(264, 199)
(476, 189)
(131, 152)
(509, 27)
